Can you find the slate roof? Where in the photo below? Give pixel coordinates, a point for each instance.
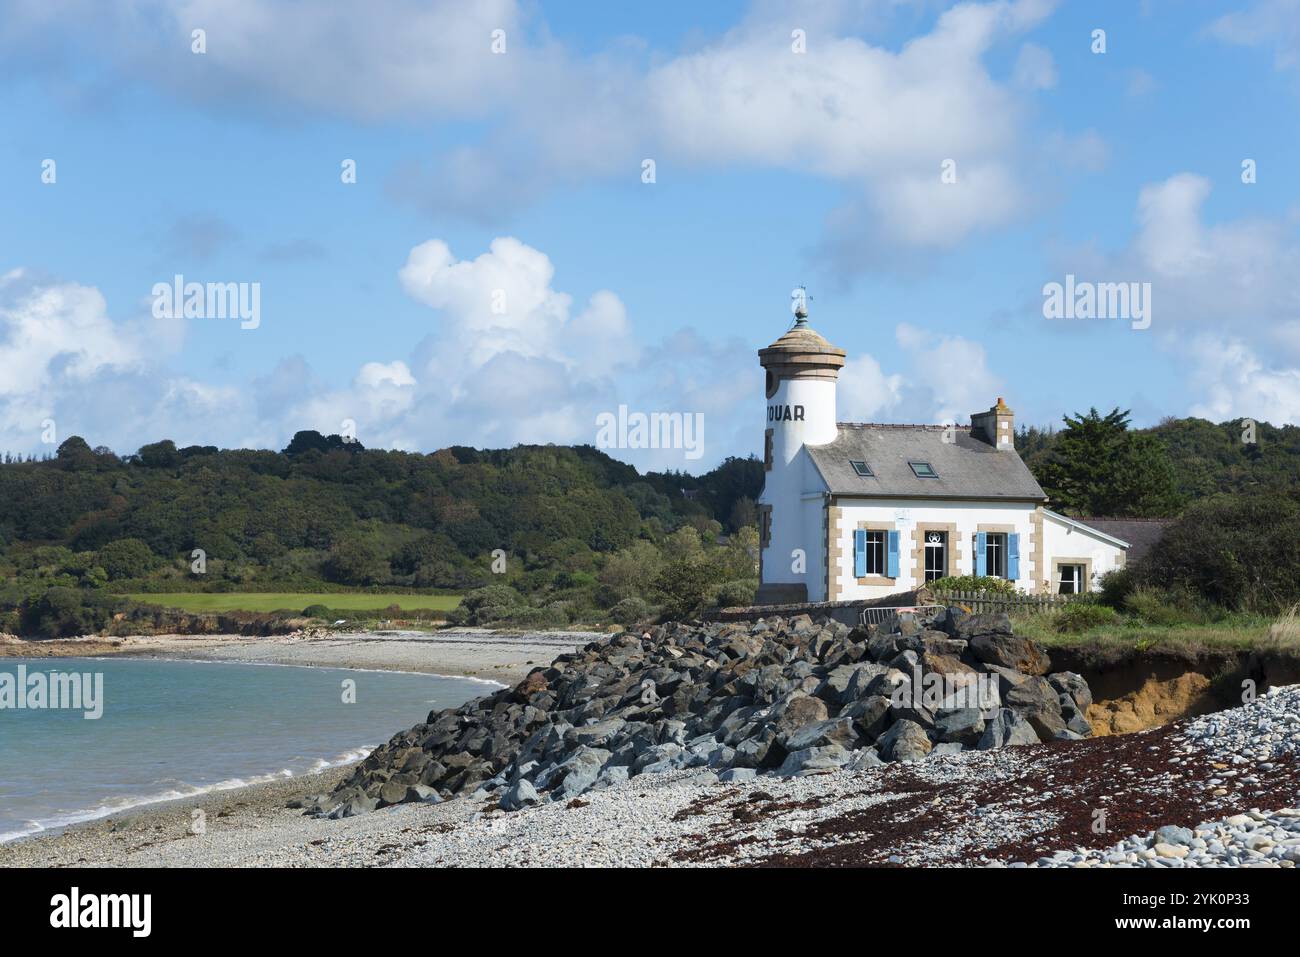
(1140, 533)
(968, 468)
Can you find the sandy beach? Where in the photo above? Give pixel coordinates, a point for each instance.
(162, 833)
(505, 657)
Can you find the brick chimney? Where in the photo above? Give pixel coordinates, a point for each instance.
(997, 426)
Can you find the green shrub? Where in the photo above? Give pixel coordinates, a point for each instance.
(739, 592)
(126, 558)
(630, 610)
(1168, 607)
(687, 585)
(353, 561)
(1079, 616)
(1239, 552)
(987, 584)
(1116, 586)
(316, 611)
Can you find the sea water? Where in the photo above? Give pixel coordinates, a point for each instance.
(172, 729)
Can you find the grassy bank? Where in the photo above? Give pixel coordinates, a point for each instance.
(295, 601)
(1235, 632)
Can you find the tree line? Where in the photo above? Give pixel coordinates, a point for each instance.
(563, 534)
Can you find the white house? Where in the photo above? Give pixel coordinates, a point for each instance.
(853, 510)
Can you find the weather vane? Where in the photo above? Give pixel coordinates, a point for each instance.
(800, 300)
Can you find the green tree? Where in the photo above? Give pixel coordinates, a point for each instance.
(75, 453)
(126, 558)
(686, 585)
(159, 455)
(1097, 466)
(628, 572)
(353, 561)
(1237, 551)
(743, 513)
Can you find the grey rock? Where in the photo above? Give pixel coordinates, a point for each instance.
(872, 715)
(1008, 678)
(1173, 834)
(961, 725)
(938, 643)
(610, 776)
(1006, 729)
(581, 770)
(1076, 722)
(752, 752)
(1033, 694)
(905, 741)
(1009, 651)
(420, 794)
(969, 627)
(737, 775)
(520, 795)
(838, 731)
(596, 734)
(883, 647)
(392, 793)
(357, 805)
(813, 759)
(863, 759)
(1074, 685)
(797, 711)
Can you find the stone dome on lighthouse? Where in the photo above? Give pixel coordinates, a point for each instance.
(801, 353)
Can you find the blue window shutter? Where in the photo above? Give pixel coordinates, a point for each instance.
(981, 559)
(893, 555)
(1013, 556)
(860, 553)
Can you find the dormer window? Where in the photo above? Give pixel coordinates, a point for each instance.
(923, 470)
(862, 468)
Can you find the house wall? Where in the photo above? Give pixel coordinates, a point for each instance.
(911, 518)
(1067, 543)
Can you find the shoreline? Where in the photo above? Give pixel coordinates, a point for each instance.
(689, 817)
(500, 657)
(497, 659)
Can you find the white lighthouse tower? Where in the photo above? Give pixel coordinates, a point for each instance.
(802, 369)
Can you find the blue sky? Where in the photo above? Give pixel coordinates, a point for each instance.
(522, 172)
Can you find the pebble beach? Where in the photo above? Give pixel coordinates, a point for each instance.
(1217, 791)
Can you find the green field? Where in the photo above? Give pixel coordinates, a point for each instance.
(291, 601)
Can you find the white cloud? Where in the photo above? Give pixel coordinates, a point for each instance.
(878, 120)
(1035, 68)
(57, 333)
(1236, 383)
(1224, 302)
(1266, 23)
(865, 393)
(398, 58)
(951, 372)
(1236, 275)
(540, 371)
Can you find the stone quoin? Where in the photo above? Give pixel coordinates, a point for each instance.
(864, 510)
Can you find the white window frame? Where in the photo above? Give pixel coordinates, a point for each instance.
(928, 549)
